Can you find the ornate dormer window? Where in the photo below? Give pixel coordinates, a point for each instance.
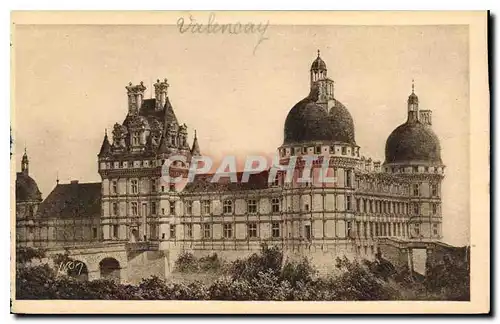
(135, 138)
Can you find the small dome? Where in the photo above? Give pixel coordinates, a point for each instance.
(26, 188)
(412, 142)
(342, 124)
(318, 64)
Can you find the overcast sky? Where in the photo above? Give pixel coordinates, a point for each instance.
(70, 86)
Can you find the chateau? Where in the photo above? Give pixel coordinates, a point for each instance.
(133, 207)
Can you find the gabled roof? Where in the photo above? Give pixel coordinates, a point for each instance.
(81, 200)
(202, 182)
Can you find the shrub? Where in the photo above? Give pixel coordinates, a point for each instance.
(269, 259)
(186, 262)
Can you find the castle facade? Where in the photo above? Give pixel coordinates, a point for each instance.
(398, 199)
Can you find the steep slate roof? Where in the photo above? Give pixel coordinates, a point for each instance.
(105, 147)
(73, 199)
(202, 182)
(148, 110)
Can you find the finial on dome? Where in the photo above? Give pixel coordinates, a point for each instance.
(195, 133)
(318, 53)
(412, 86)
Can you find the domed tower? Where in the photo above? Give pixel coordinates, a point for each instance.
(319, 136)
(28, 199)
(413, 151)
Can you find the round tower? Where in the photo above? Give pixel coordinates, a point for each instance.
(413, 151)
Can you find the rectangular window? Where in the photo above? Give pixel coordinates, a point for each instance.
(417, 229)
(435, 229)
(434, 209)
(207, 231)
(275, 230)
(348, 203)
(275, 205)
(308, 233)
(94, 232)
(189, 230)
(172, 208)
(115, 209)
(227, 206)
(365, 229)
(317, 150)
(344, 150)
(115, 231)
(135, 138)
(134, 186)
(135, 209)
(228, 230)
(172, 231)
(434, 190)
(358, 205)
(349, 229)
(371, 229)
(252, 230)
(306, 207)
(416, 209)
(358, 228)
(371, 206)
(114, 187)
(252, 206)
(276, 181)
(205, 207)
(189, 207)
(153, 208)
(153, 185)
(416, 189)
(172, 187)
(348, 180)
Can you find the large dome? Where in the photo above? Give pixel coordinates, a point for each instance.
(413, 142)
(26, 188)
(342, 124)
(307, 122)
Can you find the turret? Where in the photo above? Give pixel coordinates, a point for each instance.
(105, 146)
(413, 114)
(195, 149)
(25, 163)
(319, 79)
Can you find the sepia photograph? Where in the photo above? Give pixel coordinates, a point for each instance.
(217, 156)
